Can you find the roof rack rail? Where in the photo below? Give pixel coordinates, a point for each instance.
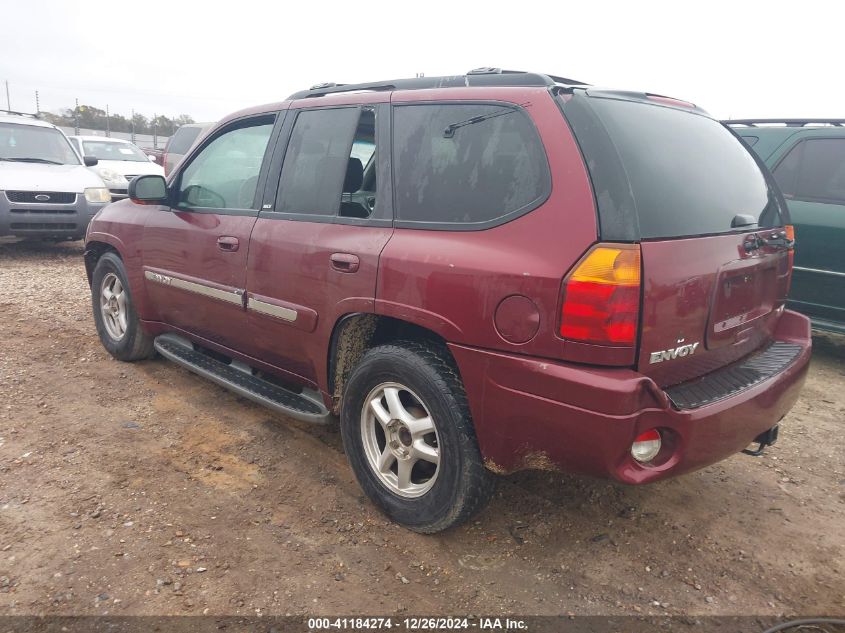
(787, 122)
(485, 76)
(34, 115)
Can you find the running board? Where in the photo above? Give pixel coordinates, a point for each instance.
(306, 406)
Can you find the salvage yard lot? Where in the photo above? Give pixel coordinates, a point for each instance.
(144, 489)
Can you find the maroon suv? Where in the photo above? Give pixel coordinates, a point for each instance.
(478, 274)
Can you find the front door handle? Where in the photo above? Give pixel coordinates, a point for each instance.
(345, 262)
(227, 243)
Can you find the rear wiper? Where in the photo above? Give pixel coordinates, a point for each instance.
(33, 160)
(449, 132)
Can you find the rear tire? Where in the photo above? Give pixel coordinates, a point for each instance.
(409, 437)
(114, 312)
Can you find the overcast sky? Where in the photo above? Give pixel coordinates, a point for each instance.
(736, 59)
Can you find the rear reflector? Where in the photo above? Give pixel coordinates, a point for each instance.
(646, 447)
(601, 296)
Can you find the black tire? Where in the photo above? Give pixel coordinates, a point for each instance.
(462, 485)
(135, 344)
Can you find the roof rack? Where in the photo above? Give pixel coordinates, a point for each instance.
(787, 122)
(29, 114)
(485, 76)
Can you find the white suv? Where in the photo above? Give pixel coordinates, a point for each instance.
(46, 190)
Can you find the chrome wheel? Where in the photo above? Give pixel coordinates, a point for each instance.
(113, 306)
(400, 440)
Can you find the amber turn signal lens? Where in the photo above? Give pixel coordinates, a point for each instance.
(601, 301)
(789, 230)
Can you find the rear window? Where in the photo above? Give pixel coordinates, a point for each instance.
(661, 172)
(466, 166)
(183, 139)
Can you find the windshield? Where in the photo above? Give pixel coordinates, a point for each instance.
(33, 143)
(664, 172)
(112, 150)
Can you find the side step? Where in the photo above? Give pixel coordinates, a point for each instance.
(306, 406)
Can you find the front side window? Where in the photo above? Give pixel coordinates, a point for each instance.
(466, 165)
(35, 144)
(224, 174)
(329, 167)
(814, 170)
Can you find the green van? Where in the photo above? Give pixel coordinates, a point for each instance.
(807, 158)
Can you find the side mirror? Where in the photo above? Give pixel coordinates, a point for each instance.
(90, 161)
(151, 157)
(147, 189)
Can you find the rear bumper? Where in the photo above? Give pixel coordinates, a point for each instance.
(531, 413)
(66, 221)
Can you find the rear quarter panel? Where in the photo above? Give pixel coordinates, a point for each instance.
(453, 281)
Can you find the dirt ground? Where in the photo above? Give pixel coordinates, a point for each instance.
(144, 489)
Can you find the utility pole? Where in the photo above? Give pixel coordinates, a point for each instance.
(37, 105)
(76, 118)
(155, 131)
(133, 125)
(108, 127)
(8, 102)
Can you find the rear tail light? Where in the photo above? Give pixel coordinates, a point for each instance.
(601, 296)
(164, 163)
(646, 447)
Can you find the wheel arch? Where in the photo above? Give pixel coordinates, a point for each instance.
(355, 333)
(94, 250)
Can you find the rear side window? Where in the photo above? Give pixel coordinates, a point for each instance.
(662, 172)
(182, 140)
(751, 141)
(466, 166)
(814, 170)
(329, 165)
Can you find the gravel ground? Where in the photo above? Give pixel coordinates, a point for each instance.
(143, 489)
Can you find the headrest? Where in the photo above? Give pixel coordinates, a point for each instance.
(354, 176)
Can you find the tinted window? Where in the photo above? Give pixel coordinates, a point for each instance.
(751, 141)
(316, 162)
(224, 174)
(466, 164)
(814, 170)
(358, 198)
(183, 139)
(664, 172)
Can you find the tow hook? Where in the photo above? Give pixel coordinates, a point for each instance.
(766, 438)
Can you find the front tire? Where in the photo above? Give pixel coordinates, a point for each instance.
(114, 312)
(409, 437)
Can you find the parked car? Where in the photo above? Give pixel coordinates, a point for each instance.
(155, 154)
(807, 158)
(119, 161)
(182, 141)
(47, 190)
(479, 274)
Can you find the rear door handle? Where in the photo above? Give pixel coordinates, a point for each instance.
(227, 243)
(345, 262)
